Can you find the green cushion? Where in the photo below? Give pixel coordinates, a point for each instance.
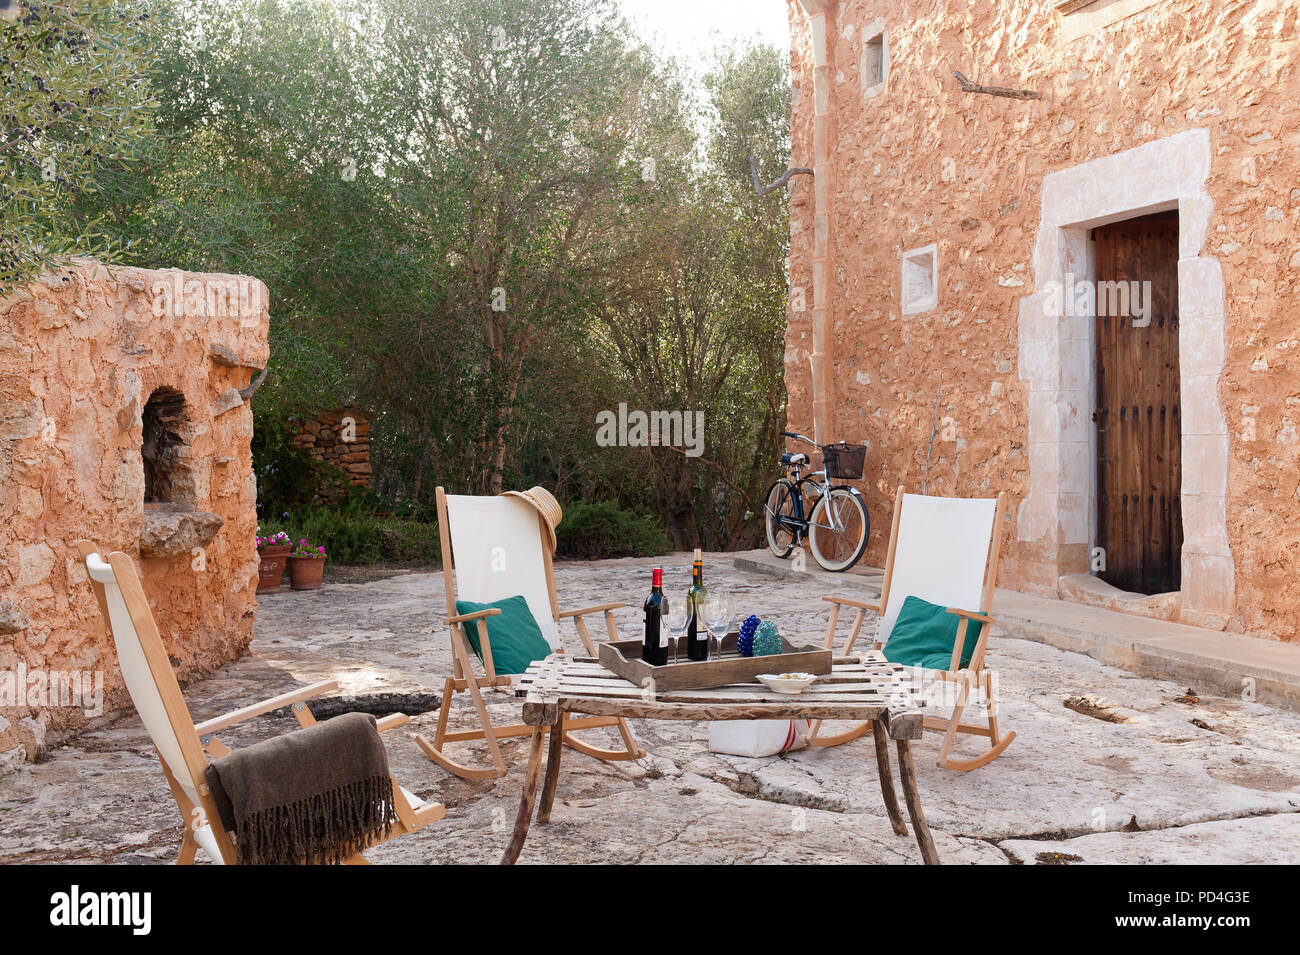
(924, 635)
(513, 633)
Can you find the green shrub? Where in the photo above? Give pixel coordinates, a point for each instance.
(355, 536)
(602, 530)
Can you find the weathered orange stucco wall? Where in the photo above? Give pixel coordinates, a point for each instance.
(922, 162)
(81, 351)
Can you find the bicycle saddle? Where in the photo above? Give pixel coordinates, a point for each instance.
(794, 458)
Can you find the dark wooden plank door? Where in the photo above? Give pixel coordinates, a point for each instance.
(1139, 440)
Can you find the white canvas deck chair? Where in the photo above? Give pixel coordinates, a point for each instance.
(494, 548)
(185, 748)
(943, 550)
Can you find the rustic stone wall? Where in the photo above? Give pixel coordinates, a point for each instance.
(81, 352)
(341, 438)
(918, 161)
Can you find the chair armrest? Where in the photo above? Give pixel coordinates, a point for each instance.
(391, 720)
(970, 614)
(477, 614)
(846, 602)
(598, 608)
(211, 726)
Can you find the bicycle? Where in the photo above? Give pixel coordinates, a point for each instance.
(836, 526)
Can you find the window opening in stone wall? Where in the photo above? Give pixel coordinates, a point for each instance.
(873, 61)
(162, 447)
(920, 280)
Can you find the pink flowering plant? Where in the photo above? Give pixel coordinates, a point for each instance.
(303, 549)
(274, 541)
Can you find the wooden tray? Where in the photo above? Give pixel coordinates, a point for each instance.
(624, 658)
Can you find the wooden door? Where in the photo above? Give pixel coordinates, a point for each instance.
(1139, 439)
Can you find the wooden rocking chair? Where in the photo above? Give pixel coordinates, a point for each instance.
(184, 748)
(945, 551)
(502, 547)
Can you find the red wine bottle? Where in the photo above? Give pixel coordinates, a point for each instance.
(697, 637)
(654, 647)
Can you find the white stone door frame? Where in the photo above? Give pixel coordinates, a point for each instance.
(1056, 523)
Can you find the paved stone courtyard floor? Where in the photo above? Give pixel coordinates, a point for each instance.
(1158, 781)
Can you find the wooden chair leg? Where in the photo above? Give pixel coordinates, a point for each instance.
(996, 745)
(950, 736)
(857, 730)
(629, 741)
(188, 848)
(436, 750)
(598, 752)
(630, 750)
(444, 712)
(585, 634)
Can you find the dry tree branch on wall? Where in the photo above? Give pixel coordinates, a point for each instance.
(761, 190)
(247, 393)
(969, 87)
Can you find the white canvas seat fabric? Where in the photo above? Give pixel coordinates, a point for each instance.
(943, 546)
(139, 678)
(497, 545)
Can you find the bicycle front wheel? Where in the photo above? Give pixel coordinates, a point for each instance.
(838, 529)
(779, 518)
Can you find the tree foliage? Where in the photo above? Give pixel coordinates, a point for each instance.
(75, 121)
(485, 221)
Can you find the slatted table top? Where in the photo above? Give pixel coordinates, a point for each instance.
(866, 687)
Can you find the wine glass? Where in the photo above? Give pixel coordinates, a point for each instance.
(719, 613)
(676, 617)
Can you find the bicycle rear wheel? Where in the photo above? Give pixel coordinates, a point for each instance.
(838, 529)
(779, 517)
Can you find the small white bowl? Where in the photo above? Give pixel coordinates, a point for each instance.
(788, 684)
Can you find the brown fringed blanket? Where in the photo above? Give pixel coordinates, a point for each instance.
(317, 795)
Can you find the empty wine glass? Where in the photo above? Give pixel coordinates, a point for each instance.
(719, 613)
(676, 617)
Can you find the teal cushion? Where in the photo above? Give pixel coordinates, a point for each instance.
(924, 635)
(513, 633)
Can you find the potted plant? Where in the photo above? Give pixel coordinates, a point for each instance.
(271, 553)
(306, 566)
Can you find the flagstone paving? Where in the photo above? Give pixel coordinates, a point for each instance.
(1161, 780)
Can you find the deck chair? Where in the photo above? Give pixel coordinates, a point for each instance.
(184, 748)
(943, 550)
(502, 547)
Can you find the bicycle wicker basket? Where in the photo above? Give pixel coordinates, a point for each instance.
(843, 461)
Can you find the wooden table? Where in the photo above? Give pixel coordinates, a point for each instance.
(858, 688)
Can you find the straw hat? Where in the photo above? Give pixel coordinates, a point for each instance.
(546, 505)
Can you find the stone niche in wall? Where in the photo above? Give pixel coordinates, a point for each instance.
(122, 421)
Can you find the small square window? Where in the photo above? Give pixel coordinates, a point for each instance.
(920, 279)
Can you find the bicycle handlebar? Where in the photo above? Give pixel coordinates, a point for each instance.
(801, 437)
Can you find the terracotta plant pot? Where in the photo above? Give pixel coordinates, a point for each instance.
(305, 573)
(270, 568)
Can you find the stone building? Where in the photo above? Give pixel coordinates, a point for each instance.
(124, 420)
(966, 240)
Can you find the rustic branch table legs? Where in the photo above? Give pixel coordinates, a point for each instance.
(887, 779)
(526, 801)
(552, 771)
(908, 771)
(533, 777)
